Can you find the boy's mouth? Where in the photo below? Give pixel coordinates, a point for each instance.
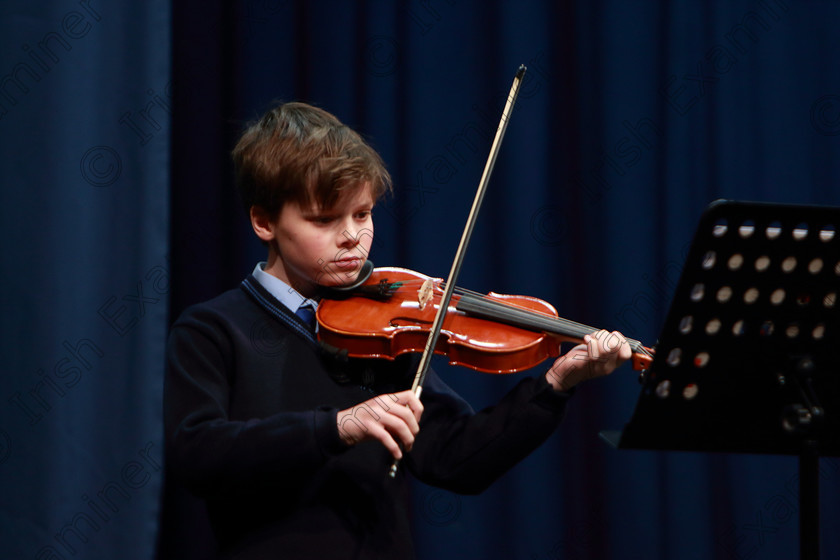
(348, 262)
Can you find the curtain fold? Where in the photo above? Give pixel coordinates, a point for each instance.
(85, 107)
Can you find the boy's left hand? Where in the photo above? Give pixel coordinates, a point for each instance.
(600, 353)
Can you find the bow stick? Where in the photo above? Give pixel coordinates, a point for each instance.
(431, 342)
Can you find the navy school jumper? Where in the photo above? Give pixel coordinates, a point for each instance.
(251, 404)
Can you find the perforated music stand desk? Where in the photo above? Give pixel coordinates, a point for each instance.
(747, 360)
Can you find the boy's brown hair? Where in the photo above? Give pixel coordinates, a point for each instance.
(303, 154)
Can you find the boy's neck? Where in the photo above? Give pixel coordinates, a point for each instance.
(274, 266)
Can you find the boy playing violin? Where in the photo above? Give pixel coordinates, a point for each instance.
(289, 445)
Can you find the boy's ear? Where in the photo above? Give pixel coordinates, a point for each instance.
(262, 223)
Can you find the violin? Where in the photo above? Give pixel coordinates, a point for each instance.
(391, 312)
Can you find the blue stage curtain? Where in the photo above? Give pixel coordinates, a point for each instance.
(84, 154)
(633, 117)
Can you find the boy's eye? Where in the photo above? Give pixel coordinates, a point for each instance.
(325, 219)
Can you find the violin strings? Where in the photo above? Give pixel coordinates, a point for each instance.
(478, 303)
(530, 318)
(523, 317)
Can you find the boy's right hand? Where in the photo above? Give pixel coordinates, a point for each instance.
(392, 419)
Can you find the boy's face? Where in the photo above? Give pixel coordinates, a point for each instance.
(320, 246)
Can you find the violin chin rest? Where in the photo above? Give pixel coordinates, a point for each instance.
(364, 274)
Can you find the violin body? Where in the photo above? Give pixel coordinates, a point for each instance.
(393, 311)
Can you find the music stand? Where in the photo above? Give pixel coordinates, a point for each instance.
(747, 361)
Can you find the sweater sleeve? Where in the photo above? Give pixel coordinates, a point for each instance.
(465, 451)
(214, 455)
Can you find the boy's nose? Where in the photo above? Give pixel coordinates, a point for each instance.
(349, 237)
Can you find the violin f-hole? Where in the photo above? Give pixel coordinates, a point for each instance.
(398, 322)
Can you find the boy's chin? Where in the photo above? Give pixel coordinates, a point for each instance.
(346, 279)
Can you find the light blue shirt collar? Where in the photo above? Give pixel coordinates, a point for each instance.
(284, 293)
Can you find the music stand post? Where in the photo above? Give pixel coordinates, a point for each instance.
(748, 357)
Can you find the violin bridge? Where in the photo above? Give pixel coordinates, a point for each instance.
(424, 294)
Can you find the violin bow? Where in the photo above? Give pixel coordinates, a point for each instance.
(434, 334)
